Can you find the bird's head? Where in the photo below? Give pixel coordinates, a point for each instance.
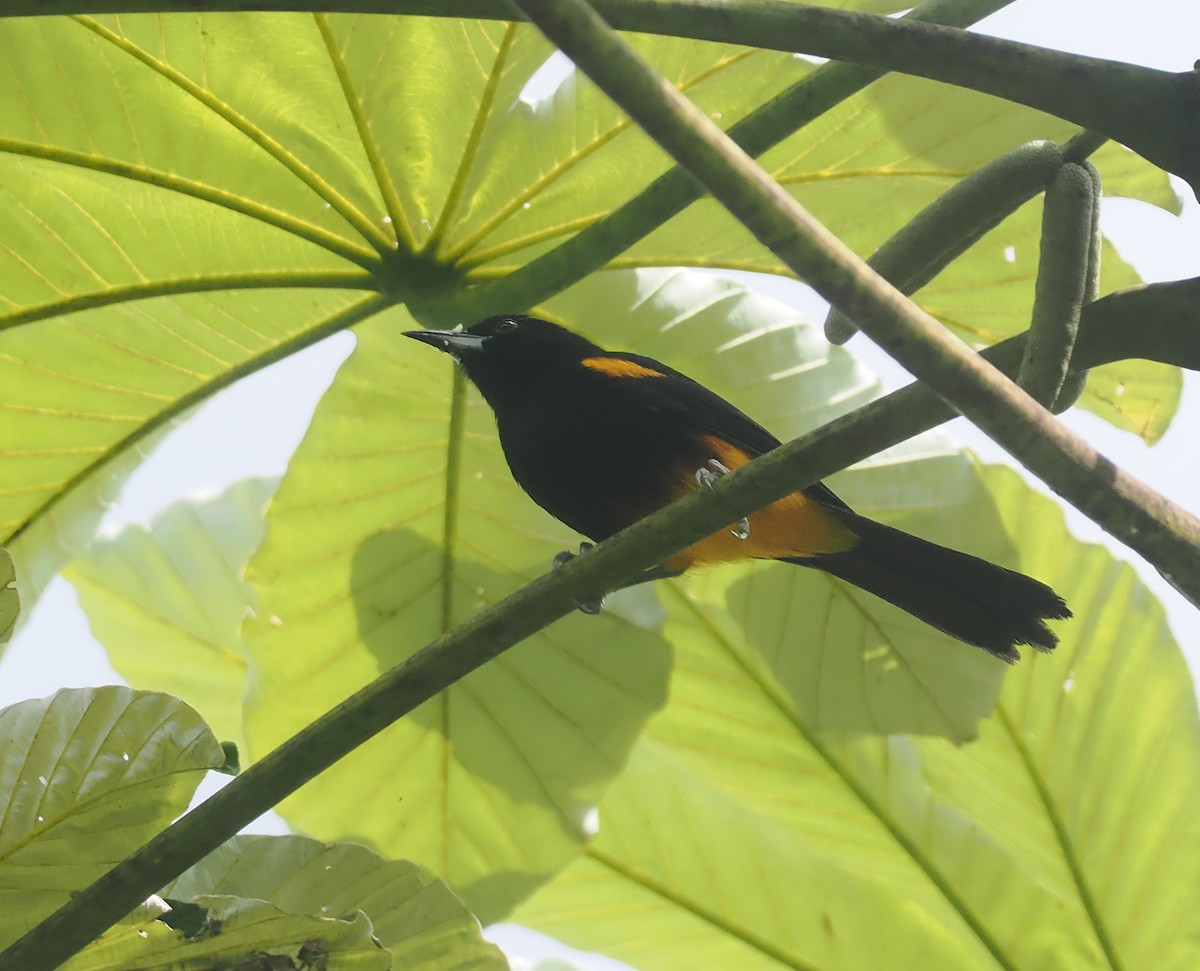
(503, 354)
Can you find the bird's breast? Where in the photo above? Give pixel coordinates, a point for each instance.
(597, 465)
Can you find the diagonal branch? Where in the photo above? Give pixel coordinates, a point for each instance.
(852, 438)
(1165, 534)
(418, 679)
(1148, 110)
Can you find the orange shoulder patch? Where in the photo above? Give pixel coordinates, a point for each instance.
(617, 367)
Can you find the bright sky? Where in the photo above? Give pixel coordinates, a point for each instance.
(252, 428)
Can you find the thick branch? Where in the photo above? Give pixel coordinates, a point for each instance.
(1158, 322)
(1167, 536)
(1153, 112)
(1171, 311)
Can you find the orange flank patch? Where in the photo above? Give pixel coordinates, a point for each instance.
(793, 526)
(618, 367)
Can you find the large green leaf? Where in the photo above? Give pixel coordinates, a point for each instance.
(561, 163)
(862, 808)
(397, 520)
(527, 174)
(287, 901)
(168, 602)
(413, 914)
(1063, 837)
(263, 162)
(88, 776)
(687, 875)
(188, 198)
(1090, 771)
(129, 186)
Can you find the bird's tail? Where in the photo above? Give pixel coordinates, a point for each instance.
(966, 597)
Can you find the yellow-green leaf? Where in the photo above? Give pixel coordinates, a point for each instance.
(89, 775)
(168, 602)
(1089, 773)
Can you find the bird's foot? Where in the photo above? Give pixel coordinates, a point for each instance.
(709, 474)
(591, 607)
(564, 557)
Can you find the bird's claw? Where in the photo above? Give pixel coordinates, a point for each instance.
(591, 607)
(564, 557)
(709, 474)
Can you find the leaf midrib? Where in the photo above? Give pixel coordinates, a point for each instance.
(734, 930)
(1065, 844)
(310, 178)
(923, 863)
(269, 215)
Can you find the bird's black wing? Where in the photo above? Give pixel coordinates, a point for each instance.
(708, 413)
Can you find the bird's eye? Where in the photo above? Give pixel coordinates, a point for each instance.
(506, 324)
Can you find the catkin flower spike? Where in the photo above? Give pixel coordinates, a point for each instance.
(1075, 380)
(1068, 229)
(955, 221)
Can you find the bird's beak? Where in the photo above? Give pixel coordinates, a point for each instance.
(454, 342)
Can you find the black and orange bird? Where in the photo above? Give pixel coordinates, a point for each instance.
(600, 439)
